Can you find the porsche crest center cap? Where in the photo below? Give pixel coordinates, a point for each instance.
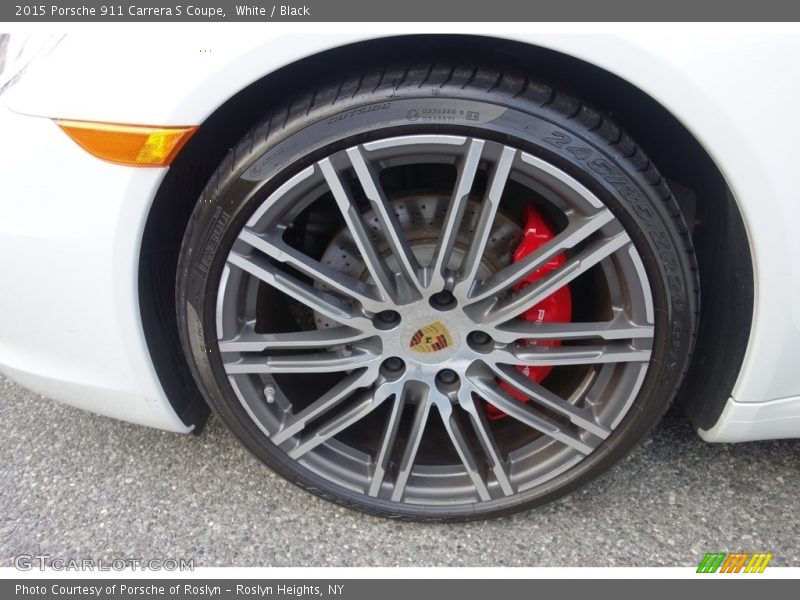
(431, 338)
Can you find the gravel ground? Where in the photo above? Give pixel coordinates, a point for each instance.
(74, 485)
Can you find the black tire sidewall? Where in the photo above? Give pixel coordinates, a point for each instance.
(247, 178)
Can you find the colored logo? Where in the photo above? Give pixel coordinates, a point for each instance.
(737, 562)
(431, 338)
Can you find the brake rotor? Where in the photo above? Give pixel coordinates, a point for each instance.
(422, 218)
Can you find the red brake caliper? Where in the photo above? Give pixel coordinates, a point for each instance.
(556, 308)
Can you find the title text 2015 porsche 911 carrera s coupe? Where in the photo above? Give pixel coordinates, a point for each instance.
(436, 276)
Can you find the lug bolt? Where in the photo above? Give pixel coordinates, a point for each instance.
(443, 300)
(447, 376)
(386, 319)
(479, 338)
(393, 364)
(443, 297)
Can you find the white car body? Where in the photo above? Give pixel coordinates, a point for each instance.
(71, 225)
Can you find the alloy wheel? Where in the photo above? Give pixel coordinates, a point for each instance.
(368, 320)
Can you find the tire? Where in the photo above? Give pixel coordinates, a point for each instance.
(415, 129)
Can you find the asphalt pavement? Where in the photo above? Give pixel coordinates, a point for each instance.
(75, 485)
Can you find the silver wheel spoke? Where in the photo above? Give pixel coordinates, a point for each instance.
(392, 230)
(578, 229)
(315, 299)
(251, 341)
(412, 445)
(333, 397)
(580, 417)
(381, 463)
(468, 167)
(483, 229)
(381, 274)
(557, 356)
(328, 362)
(615, 329)
(487, 439)
(454, 430)
(341, 282)
(534, 293)
(524, 413)
(368, 402)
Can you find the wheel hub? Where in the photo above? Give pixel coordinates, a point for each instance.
(433, 337)
(432, 341)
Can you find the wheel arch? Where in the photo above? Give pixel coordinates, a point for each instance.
(707, 202)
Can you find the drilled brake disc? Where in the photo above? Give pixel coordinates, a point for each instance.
(422, 218)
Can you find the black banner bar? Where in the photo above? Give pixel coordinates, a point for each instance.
(400, 11)
(730, 588)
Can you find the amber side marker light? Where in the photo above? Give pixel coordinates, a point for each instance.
(131, 145)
